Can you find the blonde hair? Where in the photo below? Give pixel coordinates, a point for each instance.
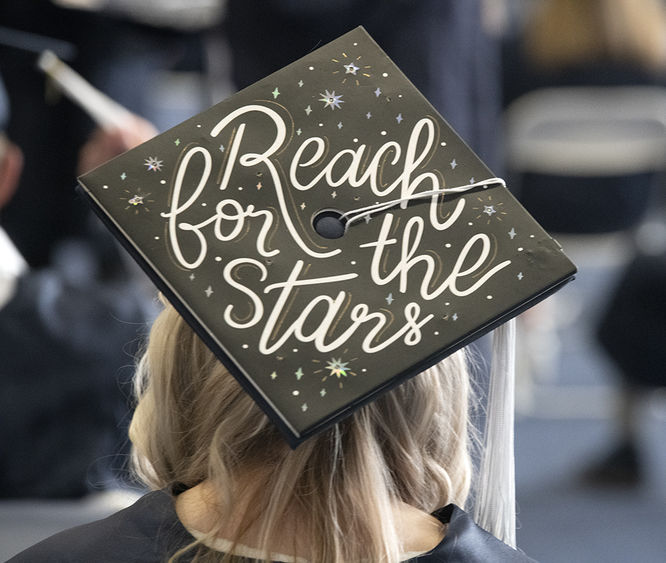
(193, 422)
(562, 33)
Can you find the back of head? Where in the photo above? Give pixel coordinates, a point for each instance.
(194, 423)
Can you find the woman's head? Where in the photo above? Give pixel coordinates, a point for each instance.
(194, 422)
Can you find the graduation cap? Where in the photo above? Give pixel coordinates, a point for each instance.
(327, 233)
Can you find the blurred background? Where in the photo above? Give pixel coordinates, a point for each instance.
(564, 98)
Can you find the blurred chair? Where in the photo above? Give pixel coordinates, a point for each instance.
(585, 162)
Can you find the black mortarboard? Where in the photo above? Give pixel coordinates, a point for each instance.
(282, 224)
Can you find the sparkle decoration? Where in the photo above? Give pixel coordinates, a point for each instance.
(337, 367)
(300, 84)
(453, 164)
(123, 176)
(176, 142)
(389, 298)
(489, 209)
(308, 110)
(520, 276)
(299, 373)
(209, 291)
(399, 118)
(136, 201)
(512, 233)
(273, 375)
(352, 69)
(331, 100)
(192, 277)
(378, 92)
(275, 93)
(152, 164)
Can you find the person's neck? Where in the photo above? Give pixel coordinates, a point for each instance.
(201, 512)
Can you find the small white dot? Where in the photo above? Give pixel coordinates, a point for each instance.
(531, 236)
(157, 238)
(447, 303)
(355, 140)
(489, 296)
(245, 346)
(199, 125)
(448, 245)
(310, 68)
(355, 44)
(436, 333)
(353, 262)
(105, 187)
(204, 204)
(470, 223)
(399, 95)
(364, 370)
(240, 188)
(520, 249)
(162, 181)
(384, 74)
(218, 259)
(321, 125)
(442, 144)
(295, 393)
(295, 350)
(383, 133)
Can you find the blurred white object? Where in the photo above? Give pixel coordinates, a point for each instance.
(186, 15)
(106, 112)
(588, 131)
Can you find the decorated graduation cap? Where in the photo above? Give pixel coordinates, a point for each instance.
(326, 233)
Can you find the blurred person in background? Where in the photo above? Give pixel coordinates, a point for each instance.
(72, 309)
(602, 43)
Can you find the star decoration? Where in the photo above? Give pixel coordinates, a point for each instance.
(378, 92)
(192, 277)
(489, 209)
(339, 124)
(304, 407)
(368, 115)
(209, 291)
(322, 392)
(455, 316)
(520, 276)
(302, 206)
(123, 176)
(334, 194)
(298, 131)
(308, 110)
(153, 164)
(453, 164)
(176, 142)
(273, 375)
(337, 367)
(221, 148)
(389, 298)
(300, 84)
(399, 118)
(351, 68)
(298, 373)
(512, 233)
(136, 200)
(331, 100)
(275, 93)
(472, 180)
